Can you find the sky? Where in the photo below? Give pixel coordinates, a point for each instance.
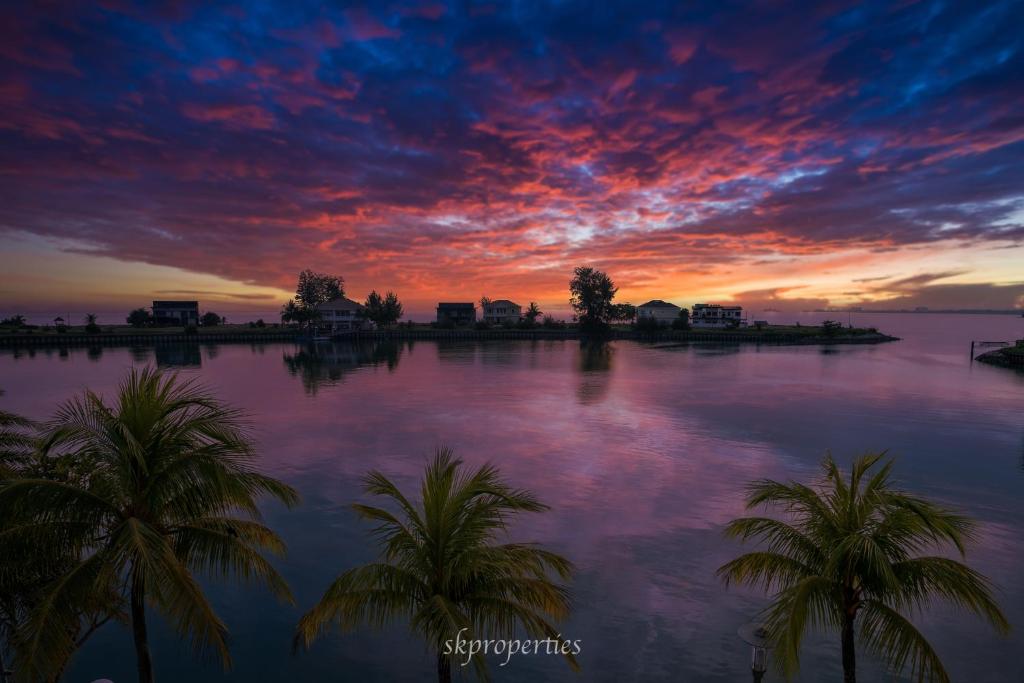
(786, 155)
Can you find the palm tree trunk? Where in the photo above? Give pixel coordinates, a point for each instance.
(138, 605)
(849, 656)
(444, 668)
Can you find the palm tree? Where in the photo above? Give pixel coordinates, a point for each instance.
(171, 491)
(442, 569)
(16, 442)
(31, 562)
(853, 549)
(533, 312)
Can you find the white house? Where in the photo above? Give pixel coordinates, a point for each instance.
(342, 315)
(502, 311)
(660, 311)
(716, 315)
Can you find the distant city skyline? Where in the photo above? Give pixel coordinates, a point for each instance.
(790, 157)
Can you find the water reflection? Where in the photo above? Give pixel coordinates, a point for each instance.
(643, 453)
(179, 356)
(325, 364)
(594, 364)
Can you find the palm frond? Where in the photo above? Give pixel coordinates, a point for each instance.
(892, 637)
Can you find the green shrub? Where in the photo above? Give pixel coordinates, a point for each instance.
(647, 324)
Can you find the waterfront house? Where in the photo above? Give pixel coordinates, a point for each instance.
(342, 315)
(456, 313)
(716, 315)
(662, 312)
(502, 311)
(176, 313)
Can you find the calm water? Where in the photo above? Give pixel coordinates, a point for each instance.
(642, 451)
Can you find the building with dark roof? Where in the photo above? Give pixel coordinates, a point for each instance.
(456, 313)
(176, 313)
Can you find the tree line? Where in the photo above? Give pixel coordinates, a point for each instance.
(314, 289)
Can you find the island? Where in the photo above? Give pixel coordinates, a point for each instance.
(1005, 357)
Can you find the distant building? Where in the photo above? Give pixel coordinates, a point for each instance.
(660, 311)
(342, 315)
(176, 313)
(715, 315)
(502, 311)
(456, 313)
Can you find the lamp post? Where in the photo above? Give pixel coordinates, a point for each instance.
(756, 636)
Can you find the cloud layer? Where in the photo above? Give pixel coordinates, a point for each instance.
(451, 148)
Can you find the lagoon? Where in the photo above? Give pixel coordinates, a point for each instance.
(642, 450)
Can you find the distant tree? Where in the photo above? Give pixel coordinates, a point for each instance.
(532, 312)
(682, 322)
(13, 321)
(552, 324)
(312, 290)
(485, 301)
(647, 324)
(831, 328)
(383, 310)
(591, 294)
(210, 319)
(623, 313)
(292, 312)
(139, 317)
(90, 323)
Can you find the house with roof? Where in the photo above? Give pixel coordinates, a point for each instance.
(342, 315)
(176, 313)
(502, 311)
(661, 312)
(456, 313)
(716, 315)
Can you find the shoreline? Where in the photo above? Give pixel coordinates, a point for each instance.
(779, 335)
(1007, 357)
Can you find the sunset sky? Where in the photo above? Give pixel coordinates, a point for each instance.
(853, 153)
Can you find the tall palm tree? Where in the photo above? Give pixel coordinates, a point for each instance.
(852, 550)
(442, 568)
(171, 492)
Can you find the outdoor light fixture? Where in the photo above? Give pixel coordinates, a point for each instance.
(756, 635)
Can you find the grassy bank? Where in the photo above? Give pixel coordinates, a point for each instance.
(1006, 357)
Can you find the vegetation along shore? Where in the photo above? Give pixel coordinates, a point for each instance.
(320, 311)
(1006, 357)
